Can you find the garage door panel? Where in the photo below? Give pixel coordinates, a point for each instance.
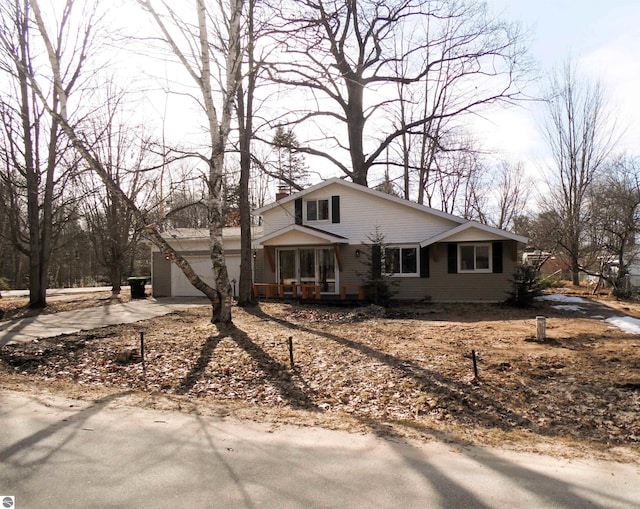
(180, 285)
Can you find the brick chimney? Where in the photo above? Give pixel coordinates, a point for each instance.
(283, 192)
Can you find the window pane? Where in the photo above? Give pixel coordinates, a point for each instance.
(287, 264)
(467, 257)
(323, 210)
(482, 257)
(409, 260)
(327, 270)
(312, 211)
(392, 260)
(307, 266)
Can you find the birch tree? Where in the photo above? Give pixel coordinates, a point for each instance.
(194, 49)
(72, 130)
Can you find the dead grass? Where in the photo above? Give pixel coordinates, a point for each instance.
(12, 308)
(408, 372)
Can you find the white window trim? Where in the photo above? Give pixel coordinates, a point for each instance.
(304, 208)
(403, 274)
(475, 245)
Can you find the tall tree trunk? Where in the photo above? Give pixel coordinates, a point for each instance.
(37, 293)
(245, 124)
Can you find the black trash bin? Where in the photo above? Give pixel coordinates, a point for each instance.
(137, 286)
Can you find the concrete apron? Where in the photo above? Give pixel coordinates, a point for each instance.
(69, 322)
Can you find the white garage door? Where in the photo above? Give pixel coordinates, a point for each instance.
(180, 286)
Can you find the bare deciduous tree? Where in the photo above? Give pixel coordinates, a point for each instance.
(343, 55)
(614, 203)
(196, 60)
(35, 152)
(62, 116)
(111, 226)
(510, 189)
(581, 135)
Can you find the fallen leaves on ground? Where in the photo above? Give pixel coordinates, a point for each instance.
(408, 370)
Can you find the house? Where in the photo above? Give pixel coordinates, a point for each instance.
(547, 263)
(167, 279)
(313, 245)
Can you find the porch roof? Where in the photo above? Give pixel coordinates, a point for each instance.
(473, 231)
(296, 234)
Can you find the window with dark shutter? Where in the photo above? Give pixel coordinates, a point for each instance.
(335, 209)
(424, 261)
(497, 257)
(452, 258)
(298, 210)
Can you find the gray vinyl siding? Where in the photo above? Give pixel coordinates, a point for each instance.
(440, 286)
(161, 278)
(444, 287)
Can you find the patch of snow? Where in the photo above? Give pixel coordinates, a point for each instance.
(598, 317)
(558, 297)
(625, 324)
(569, 307)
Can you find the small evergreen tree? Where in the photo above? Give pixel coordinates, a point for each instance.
(526, 286)
(377, 284)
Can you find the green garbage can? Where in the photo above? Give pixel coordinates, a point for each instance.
(137, 284)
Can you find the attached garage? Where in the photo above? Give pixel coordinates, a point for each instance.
(167, 279)
(202, 265)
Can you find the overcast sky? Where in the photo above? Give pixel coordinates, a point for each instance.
(603, 37)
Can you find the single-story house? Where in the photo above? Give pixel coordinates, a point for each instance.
(313, 243)
(167, 279)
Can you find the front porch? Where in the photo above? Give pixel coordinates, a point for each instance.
(306, 292)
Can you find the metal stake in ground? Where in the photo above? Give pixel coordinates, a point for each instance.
(291, 351)
(144, 367)
(475, 364)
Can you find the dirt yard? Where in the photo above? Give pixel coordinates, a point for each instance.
(406, 372)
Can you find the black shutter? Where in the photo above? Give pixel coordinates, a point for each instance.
(298, 210)
(452, 258)
(424, 261)
(376, 261)
(497, 257)
(335, 209)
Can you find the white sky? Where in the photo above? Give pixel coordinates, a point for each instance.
(602, 37)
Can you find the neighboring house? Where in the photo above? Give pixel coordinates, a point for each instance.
(318, 238)
(547, 263)
(167, 279)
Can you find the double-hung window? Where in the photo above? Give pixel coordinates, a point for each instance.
(474, 257)
(317, 210)
(401, 261)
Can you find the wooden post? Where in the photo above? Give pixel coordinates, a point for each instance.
(291, 351)
(541, 328)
